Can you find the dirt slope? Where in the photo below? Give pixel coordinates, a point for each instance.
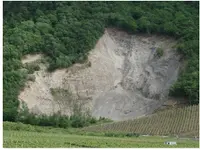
(125, 79)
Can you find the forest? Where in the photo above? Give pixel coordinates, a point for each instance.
(66, 31)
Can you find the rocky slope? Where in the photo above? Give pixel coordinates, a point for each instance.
(123, 79)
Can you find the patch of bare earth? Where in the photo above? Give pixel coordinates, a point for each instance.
(31, 58)
(125, 80)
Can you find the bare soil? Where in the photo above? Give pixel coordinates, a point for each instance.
(126, 79)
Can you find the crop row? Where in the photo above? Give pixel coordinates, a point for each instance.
(24, 139)
(171, 122)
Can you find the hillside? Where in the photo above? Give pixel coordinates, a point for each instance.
(125, 74)
(76, 64)
(181, 122)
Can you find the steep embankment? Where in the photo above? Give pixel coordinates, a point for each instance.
(123, 78)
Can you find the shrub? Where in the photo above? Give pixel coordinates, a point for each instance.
(159, 52)
(109, 134)
(55, 120)
(93, 120)
(112, 134)
(132, 135)
(89, 64)
(32, 67)
(31, 77)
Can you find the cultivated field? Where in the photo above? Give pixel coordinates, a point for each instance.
(26, 139)
(183, 122)
(177, 121)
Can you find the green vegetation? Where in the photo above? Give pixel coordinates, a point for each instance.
(26, 139)
(76, 120)
(159, 52)
(66, 31)
(115, 134)
(32, 67)
(57, 120)
(31, 77)
(18, 126)
(119, 135)
(176, 121)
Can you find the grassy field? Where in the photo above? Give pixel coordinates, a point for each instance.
(26, 139)
(182, 121)
(178, 121)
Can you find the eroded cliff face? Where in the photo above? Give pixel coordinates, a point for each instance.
(123, 79)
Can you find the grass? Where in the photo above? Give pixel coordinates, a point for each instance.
(27, 139)
(181, 121)
(175, 121)
(17, 126)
